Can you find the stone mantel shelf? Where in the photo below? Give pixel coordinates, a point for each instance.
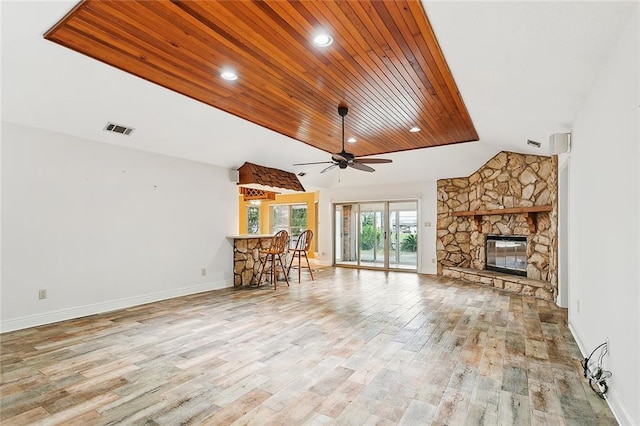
(529, 213)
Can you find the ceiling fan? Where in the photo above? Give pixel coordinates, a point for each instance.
(344, 159)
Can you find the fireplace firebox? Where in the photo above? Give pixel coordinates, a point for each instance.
(506, 253)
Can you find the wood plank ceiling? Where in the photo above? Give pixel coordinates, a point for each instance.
(384, 64)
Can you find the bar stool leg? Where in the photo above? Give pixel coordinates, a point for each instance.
(283, 270)
(308, 266)
(264, 264)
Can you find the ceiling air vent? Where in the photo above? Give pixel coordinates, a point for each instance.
(118, 128)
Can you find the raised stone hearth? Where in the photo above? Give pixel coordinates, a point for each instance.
(511, 194)
(514, 283)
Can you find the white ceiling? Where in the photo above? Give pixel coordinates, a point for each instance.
(523, 69)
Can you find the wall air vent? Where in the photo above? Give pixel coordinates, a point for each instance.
(119, 128)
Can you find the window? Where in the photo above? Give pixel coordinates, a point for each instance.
(292, 218)
(253, 219)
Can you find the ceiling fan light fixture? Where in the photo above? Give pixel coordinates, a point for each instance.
(414, 129)
(229, 75)
(322, 40)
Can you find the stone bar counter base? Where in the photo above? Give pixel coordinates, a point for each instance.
(246, 258)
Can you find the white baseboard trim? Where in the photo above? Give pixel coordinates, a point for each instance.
(579, 339)
(112, 305)
(619, 412)
(613, 400)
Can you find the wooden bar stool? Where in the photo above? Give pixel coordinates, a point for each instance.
(273, 256)
(302, 247)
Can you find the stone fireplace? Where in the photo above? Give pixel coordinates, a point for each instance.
(512, 195)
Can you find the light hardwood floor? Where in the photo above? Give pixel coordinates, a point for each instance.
(353, 347)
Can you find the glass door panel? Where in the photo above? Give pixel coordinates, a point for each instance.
(346, 234)
(372, 235)
(403, 235)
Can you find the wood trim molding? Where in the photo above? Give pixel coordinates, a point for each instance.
(529, 213)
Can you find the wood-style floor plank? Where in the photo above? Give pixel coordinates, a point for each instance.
(351, 347)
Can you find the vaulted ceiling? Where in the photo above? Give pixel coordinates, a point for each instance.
(384, 64)
(522, 70)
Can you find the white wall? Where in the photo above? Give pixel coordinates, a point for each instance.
(563, 231)
(604, 237)
(425, 192)
(103, 227)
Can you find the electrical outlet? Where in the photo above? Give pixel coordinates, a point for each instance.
(42, 293)
(433, 260)
(203, 272)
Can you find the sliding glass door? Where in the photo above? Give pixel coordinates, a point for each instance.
(403, 235)
(380, 235)
(373, 250)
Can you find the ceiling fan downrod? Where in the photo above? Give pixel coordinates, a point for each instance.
(342, 111)
(344, 159)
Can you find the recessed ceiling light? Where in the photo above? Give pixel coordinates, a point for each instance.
(229, 75)
(352, 140)
(322, 40)
(414, 129)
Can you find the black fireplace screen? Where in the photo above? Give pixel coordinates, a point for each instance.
(506, 253)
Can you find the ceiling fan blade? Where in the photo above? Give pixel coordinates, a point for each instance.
(315, 162)
(362, 167)
(339, 157)
(329, 168)
(372, 160)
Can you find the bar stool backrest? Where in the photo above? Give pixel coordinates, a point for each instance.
(304, 240)
(279, 242)
(302, 247)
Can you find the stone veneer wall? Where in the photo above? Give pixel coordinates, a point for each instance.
(507, 180)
